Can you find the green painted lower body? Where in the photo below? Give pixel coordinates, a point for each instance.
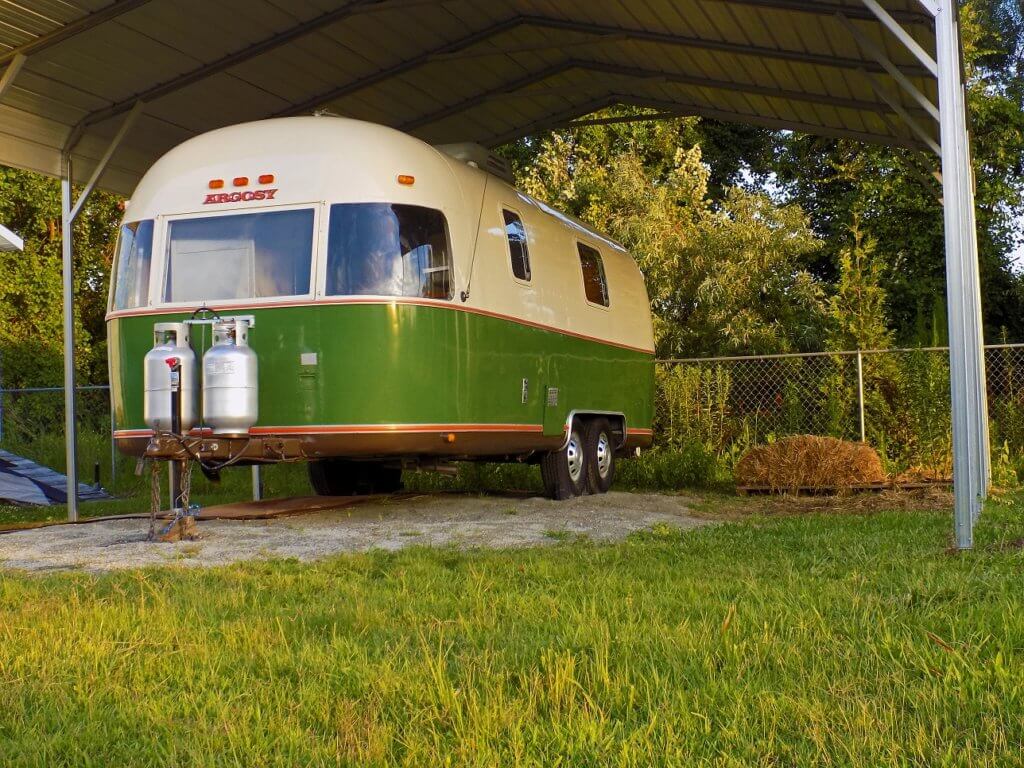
(403, 365)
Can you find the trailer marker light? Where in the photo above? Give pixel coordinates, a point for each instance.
(216, 183)
(406, 180)
(450, 437)
(240, 181)
(266, 178)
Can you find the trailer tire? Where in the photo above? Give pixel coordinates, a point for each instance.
(340, 477)
(599, 447)
(564, 471)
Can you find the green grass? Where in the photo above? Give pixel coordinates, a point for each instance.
(841, 639)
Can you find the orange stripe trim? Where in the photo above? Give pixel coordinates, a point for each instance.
(412, 302)
(327, 429)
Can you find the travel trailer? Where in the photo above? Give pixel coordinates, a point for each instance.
(334, 291)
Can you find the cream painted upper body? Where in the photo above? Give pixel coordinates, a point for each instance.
(319, 161)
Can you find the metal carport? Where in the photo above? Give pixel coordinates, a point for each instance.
(106, 87)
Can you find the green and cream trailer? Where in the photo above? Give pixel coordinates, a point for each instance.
(351, 296)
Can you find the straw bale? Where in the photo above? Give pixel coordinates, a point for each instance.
(809, 461)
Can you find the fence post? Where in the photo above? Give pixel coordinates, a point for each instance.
(257, 483)
(860, 395)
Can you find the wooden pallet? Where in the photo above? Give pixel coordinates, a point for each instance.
(760, 490)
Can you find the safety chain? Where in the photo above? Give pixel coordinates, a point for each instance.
(154, 497)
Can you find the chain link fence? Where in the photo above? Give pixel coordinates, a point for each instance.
(32, 425)
(897, 400)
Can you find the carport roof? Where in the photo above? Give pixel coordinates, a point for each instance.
(450, 70)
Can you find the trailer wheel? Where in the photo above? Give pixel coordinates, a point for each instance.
(340, 477)
(600, 455)
(564, 472)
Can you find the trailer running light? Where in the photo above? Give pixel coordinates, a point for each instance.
(450, 437)
(266, 178)
(216, 183)
(406, 180)
(240, 181)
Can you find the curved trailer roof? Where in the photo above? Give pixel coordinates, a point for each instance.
(83, 78)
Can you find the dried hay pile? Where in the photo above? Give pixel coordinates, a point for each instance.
(809, 462)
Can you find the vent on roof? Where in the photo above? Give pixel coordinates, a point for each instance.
(479, 157)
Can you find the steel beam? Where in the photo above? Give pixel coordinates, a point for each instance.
(553, 121)
(740, 49)
(600, 32)
(898, 108)
(878, 54)
(728, 85)
(101, 166)
(966, 357)
(479, 98)
(244, 54)
(17, 62)
(827, 9)
(903, 36)
(515, 89)
(71, 29)
(686, 110)
(401, 67)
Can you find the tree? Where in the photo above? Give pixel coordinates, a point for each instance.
(31, 308)
(887, 190)
(723, 278)
(857, 307)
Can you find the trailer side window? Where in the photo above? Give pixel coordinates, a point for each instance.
(594, 282)
(387, 249)
(134, 257)
(240, 256)
(518, 251)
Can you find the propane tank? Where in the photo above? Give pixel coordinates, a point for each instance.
(229, 379)
(170, 340)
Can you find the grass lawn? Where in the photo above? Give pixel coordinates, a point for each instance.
(776, 640)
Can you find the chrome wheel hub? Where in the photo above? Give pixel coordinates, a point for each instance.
(604, 454)
(574, 457)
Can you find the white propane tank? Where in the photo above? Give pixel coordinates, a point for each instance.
(169, 340)
(229, 379)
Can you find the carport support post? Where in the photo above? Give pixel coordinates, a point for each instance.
(70, 422)
(67, 220)
(68, 214)
(966, 361)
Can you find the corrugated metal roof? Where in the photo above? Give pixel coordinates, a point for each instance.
(445, 70)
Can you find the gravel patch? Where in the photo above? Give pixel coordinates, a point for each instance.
(432, 520)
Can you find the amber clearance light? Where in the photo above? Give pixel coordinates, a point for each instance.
(266, 178)
(240, 181)
(406, 180)
(216, 183)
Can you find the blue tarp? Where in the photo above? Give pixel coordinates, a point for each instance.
(24, 482)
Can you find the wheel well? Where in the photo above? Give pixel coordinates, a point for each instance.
(616, 420)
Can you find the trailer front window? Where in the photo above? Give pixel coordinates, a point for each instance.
(134, 255)
(382, 249)
(240, 256)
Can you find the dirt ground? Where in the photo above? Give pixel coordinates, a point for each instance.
(390, 524)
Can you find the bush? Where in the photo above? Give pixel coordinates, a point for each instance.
(690, 465)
